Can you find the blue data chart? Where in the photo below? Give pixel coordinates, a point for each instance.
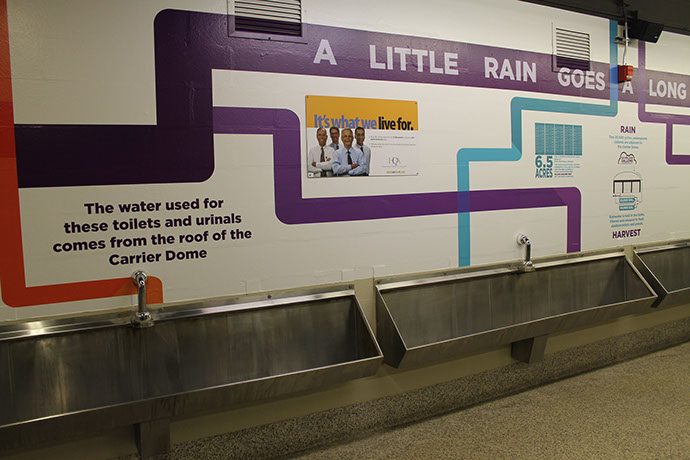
(551, 139)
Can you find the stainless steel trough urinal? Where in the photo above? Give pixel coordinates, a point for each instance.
(62, 379)
(667, 269)
(450, 314)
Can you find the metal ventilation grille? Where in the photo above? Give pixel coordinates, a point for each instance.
(283, 17)
(571, 49)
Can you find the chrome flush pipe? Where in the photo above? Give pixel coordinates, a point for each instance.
(141, 318)
(527, 265)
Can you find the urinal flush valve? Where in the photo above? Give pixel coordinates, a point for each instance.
(527, 265)
(141, 318)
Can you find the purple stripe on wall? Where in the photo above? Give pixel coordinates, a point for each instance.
(646, 81)
(189, 44)
(291, 208)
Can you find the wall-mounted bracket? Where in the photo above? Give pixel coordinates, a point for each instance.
(153, 437)
(529, 350)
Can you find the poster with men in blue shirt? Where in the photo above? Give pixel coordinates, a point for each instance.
(349, 137)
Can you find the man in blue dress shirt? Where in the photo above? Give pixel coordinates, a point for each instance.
(359, 138)
(348, 159)
(335, 138)
(319, 157)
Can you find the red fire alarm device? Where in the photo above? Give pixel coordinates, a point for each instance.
(625, 73)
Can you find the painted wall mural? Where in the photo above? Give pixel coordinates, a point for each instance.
(219, 196)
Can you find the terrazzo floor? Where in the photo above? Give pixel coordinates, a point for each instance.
(636, 409)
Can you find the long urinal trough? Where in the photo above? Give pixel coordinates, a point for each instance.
(66, 379)
(667, 269)
(447, 315)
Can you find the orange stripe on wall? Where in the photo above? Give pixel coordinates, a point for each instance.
(12, 279)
